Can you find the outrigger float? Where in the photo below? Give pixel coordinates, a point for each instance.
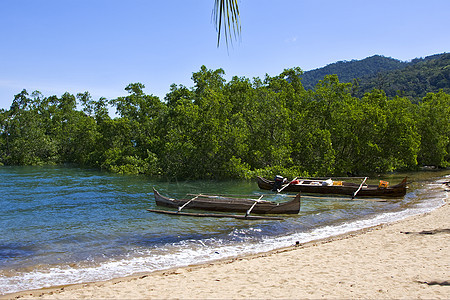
(223, 203)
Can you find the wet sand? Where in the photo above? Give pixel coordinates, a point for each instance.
(408, 259)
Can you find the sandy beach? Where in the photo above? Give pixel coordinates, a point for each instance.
(408, 259)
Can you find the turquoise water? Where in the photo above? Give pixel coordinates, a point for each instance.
(62, 225)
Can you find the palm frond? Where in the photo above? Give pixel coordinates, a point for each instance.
(226, 15)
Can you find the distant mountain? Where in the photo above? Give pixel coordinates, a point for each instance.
(419, 77)
(412, 79)
(348, 70)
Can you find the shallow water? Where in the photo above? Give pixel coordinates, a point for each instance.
(68, 225)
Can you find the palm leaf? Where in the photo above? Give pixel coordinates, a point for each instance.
(226, 15)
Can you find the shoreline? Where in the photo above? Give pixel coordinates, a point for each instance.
(403, 259)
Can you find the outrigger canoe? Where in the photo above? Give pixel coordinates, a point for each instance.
(230, 204)
(330, 187)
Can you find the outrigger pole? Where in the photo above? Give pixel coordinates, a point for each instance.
(360, 186)
(287, 185)
(242, 217)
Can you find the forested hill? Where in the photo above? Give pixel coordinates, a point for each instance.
(412, 79)
(348, 70)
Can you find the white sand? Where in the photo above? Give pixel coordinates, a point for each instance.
(379, 263)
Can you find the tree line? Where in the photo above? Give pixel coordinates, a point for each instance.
(236, 129)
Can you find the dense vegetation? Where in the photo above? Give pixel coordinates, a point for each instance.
(418, 78)
(347, 71)
(235, 129)
(408, 79)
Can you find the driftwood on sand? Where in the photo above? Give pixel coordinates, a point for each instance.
(434, 231)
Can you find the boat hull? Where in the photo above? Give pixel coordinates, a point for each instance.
(230, 204)
(346, 188)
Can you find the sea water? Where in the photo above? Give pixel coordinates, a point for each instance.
(64, 225)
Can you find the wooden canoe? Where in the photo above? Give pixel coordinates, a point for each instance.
(230, 204)
(327, 187)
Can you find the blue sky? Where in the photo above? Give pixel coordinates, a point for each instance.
(101, 46)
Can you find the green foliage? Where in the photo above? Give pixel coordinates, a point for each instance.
(419, 77)
(406, 79)
(235, 168)
(236, 129)
(348, 70)
(434, 128)
(118, 162)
